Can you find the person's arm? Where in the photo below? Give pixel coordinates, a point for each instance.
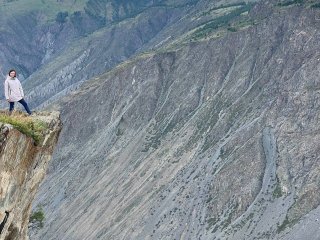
(6, 90)
(21, 90)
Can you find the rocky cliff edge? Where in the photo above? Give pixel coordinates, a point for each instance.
(26, 146)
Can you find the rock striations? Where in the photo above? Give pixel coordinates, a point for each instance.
(23, 164)
(215, 140)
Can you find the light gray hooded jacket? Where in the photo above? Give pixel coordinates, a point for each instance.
(13, 89)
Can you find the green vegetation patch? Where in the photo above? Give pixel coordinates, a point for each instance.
(283, 225)
(26, 125)
(37, 217)
(222, 21)
(287, 223)
(222, 7)
(316, 5)
(277, 192)
(290, 2)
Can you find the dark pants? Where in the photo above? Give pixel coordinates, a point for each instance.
(24, 104)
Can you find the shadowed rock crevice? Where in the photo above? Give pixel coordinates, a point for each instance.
(4, 221)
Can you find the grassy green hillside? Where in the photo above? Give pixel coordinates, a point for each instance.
(49, 7)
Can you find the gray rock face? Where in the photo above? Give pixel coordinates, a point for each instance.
(216, 140)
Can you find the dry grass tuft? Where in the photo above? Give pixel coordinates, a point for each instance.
(26, 124)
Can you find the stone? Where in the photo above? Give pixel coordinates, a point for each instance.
(22, 168)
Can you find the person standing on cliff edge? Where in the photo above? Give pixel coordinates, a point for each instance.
(14, 92)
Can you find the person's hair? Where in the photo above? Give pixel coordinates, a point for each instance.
(12, 70)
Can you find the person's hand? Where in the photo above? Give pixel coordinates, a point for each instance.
(8, 100)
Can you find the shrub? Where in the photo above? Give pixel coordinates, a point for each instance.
(37, 217)
(277, 192)
(62, 17)
(232, 29)
(221, 21)
(290, 2)
(316, 5)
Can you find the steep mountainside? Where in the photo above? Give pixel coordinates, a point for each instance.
(33, 32)
(36, 32)
(217, 139)
(94, 55)
(143, 29)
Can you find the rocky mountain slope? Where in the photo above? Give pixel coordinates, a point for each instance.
(32, 33)
(139, 30)
(215, 139)
(55, 33)
(23, 165)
